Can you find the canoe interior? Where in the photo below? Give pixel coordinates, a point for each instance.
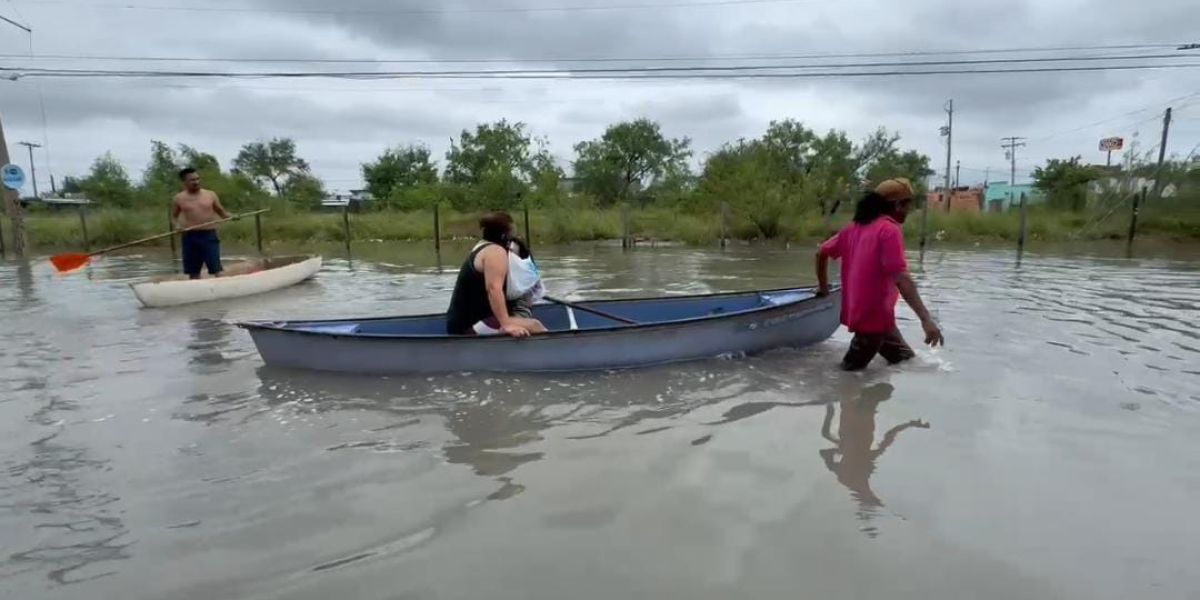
(558, 318)
(242, 267)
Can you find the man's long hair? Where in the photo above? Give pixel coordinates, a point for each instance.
(871, 207)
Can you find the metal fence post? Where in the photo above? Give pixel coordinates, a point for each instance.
(87, 242)
(437, 229)
(258, 232)
(346, 227)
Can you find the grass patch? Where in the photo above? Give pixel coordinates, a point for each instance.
(1178, 221)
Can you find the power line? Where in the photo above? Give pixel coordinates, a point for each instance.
(517, 59)
(380, 11)
(1155, 106)
(740, 72)
(760, 67)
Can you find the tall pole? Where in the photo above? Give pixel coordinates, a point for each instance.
(1162, 155)
(32, 169)
(12, 205)
(957, 168)
(10, 198)
(947, 131)
(1011, 144)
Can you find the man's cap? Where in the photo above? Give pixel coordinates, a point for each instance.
(895, 190)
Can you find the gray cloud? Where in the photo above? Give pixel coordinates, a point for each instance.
(339, 124)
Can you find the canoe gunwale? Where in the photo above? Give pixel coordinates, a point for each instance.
(766, 311)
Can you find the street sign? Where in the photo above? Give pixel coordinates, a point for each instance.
(1111, 143)
(13, 176)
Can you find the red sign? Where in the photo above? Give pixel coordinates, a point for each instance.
(1111, 143)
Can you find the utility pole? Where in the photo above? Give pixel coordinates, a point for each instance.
(10, 198)
(1010, 146)
(957, 167)
(1162, 154)
(946, 130)
(32, 169)
(12, 204)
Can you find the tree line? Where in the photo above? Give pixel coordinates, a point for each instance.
(789, 170)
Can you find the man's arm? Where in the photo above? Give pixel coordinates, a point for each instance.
(495, 272)
(829, 249)
(217, 208)
(908, 290)
(822, 274)
(176, 209)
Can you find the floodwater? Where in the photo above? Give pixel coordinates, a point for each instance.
(1051, 450)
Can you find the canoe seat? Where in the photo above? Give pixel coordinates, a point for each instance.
(778, 298)
(330, 328)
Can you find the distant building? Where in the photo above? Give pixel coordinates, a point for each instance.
(1125, 185)
(64, 201)
(1002, 196)
(961, 199)
(354, 200)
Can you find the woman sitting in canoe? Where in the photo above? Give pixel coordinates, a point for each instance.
(479, 304)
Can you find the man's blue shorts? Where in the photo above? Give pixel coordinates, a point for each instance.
(201, 249)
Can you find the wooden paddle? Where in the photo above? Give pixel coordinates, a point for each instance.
(72, 260)
(598, 313)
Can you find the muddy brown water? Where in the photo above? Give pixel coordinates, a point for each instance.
(1051, 450)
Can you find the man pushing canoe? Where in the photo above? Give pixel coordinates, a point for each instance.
(874, 276)
(196, 206)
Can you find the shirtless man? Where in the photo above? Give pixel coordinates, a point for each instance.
(194, 206)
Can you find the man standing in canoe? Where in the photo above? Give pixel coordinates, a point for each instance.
(195, 206)
(874, 276)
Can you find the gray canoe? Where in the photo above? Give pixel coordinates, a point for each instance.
(669, 329)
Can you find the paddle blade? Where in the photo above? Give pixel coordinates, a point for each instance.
(65, 263)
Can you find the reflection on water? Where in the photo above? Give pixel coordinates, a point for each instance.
(854, 454)
(136, 441)
(496, 421)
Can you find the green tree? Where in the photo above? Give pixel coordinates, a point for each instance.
(399, 168)
(303, 191)
(162, 173)
(629, 159)
(273, 161)
(1065, 182)
(108, 184)
(496, 162)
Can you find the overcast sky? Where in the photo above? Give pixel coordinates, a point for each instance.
(339, 124)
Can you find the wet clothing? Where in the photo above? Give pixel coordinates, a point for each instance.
(201, 248)
(891, 346)
(872, 255)
(469, 302)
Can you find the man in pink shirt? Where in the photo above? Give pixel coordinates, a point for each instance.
(874, 276)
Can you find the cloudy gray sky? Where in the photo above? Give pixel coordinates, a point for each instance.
(338, 124)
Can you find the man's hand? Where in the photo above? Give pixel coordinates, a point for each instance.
(933, 335)
(516, 331)
(822, 290)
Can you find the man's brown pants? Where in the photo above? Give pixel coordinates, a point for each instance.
(891, 346)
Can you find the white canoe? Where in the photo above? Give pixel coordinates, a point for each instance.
(242, 279)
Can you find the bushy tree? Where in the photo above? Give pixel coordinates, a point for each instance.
(273, 162)
(1065, 182)
(629, 159)
(401, 167)
(107, 184)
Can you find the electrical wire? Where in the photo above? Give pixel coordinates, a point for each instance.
(725, 57)
(403, 11)
(739, 72)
